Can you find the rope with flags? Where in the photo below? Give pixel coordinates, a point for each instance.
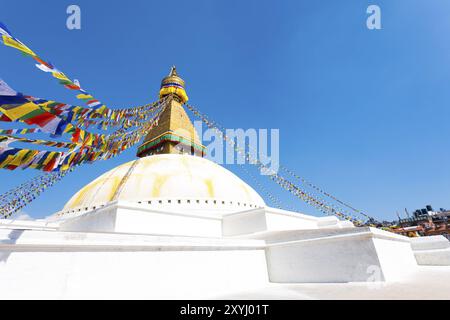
(16, 106)
(84, 145)
(323, 192)
(17, 198)
(45, 66)
(58, 119)
(274, 199)
(316, 201)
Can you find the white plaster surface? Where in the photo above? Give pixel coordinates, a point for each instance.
(131, 217)
(186, 228)
(132, 250)
(168, 177)
(337, 255)
(75, 265)
(425, 283)
(432, 251)
(131, 274)
(321, 261)
(430, 243)
(126, 217)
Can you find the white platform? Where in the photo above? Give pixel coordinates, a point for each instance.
(134, 217)
(130, 250)
(54, 265)
(337, 255)
(432, 251)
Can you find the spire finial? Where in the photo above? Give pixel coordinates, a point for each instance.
(173, 84)
(173, 71)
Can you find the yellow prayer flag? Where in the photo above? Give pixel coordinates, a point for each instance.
(5, 162)
(18, 112)
(49, 157)
(68, 128)
(22, 157)
(10, 42)
(66, 166)
(60, 76)
(84, 96)
(77, 109)
(89, 139)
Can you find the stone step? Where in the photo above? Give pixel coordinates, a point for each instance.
(430, 243)
(436, 257)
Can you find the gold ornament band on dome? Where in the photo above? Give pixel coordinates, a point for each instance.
(168, 136)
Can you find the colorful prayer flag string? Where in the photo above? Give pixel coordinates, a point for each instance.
(17, 198)
(85, 147)
(296, 190)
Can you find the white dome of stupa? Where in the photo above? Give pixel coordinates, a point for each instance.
(166, 180)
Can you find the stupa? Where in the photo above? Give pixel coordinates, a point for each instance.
(173, 224)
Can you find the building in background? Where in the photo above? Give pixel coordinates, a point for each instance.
(425, 222)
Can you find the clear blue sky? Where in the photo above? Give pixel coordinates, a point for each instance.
(363, 114)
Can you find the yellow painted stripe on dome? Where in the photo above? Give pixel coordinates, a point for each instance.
(81, 196)
(198, 177)
(210, 186)
(160, 180)
(115, 182)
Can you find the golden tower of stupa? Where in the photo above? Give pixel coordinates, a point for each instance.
(175, 132)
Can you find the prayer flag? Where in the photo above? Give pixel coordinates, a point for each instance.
(10, 42)
(4, 30)
(6, 90)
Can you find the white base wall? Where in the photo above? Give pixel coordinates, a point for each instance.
(323, 261)
(439, 257)
(132, 218)
(124, 251)
(74, 265)
(130, 275)
(271, 219)
(126, 217)
(330, 256)
(66, 265)
(396, 258)
(431, 251)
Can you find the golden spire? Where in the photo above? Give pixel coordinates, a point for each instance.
(173, 71)
(173, 84)
(174, 132)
